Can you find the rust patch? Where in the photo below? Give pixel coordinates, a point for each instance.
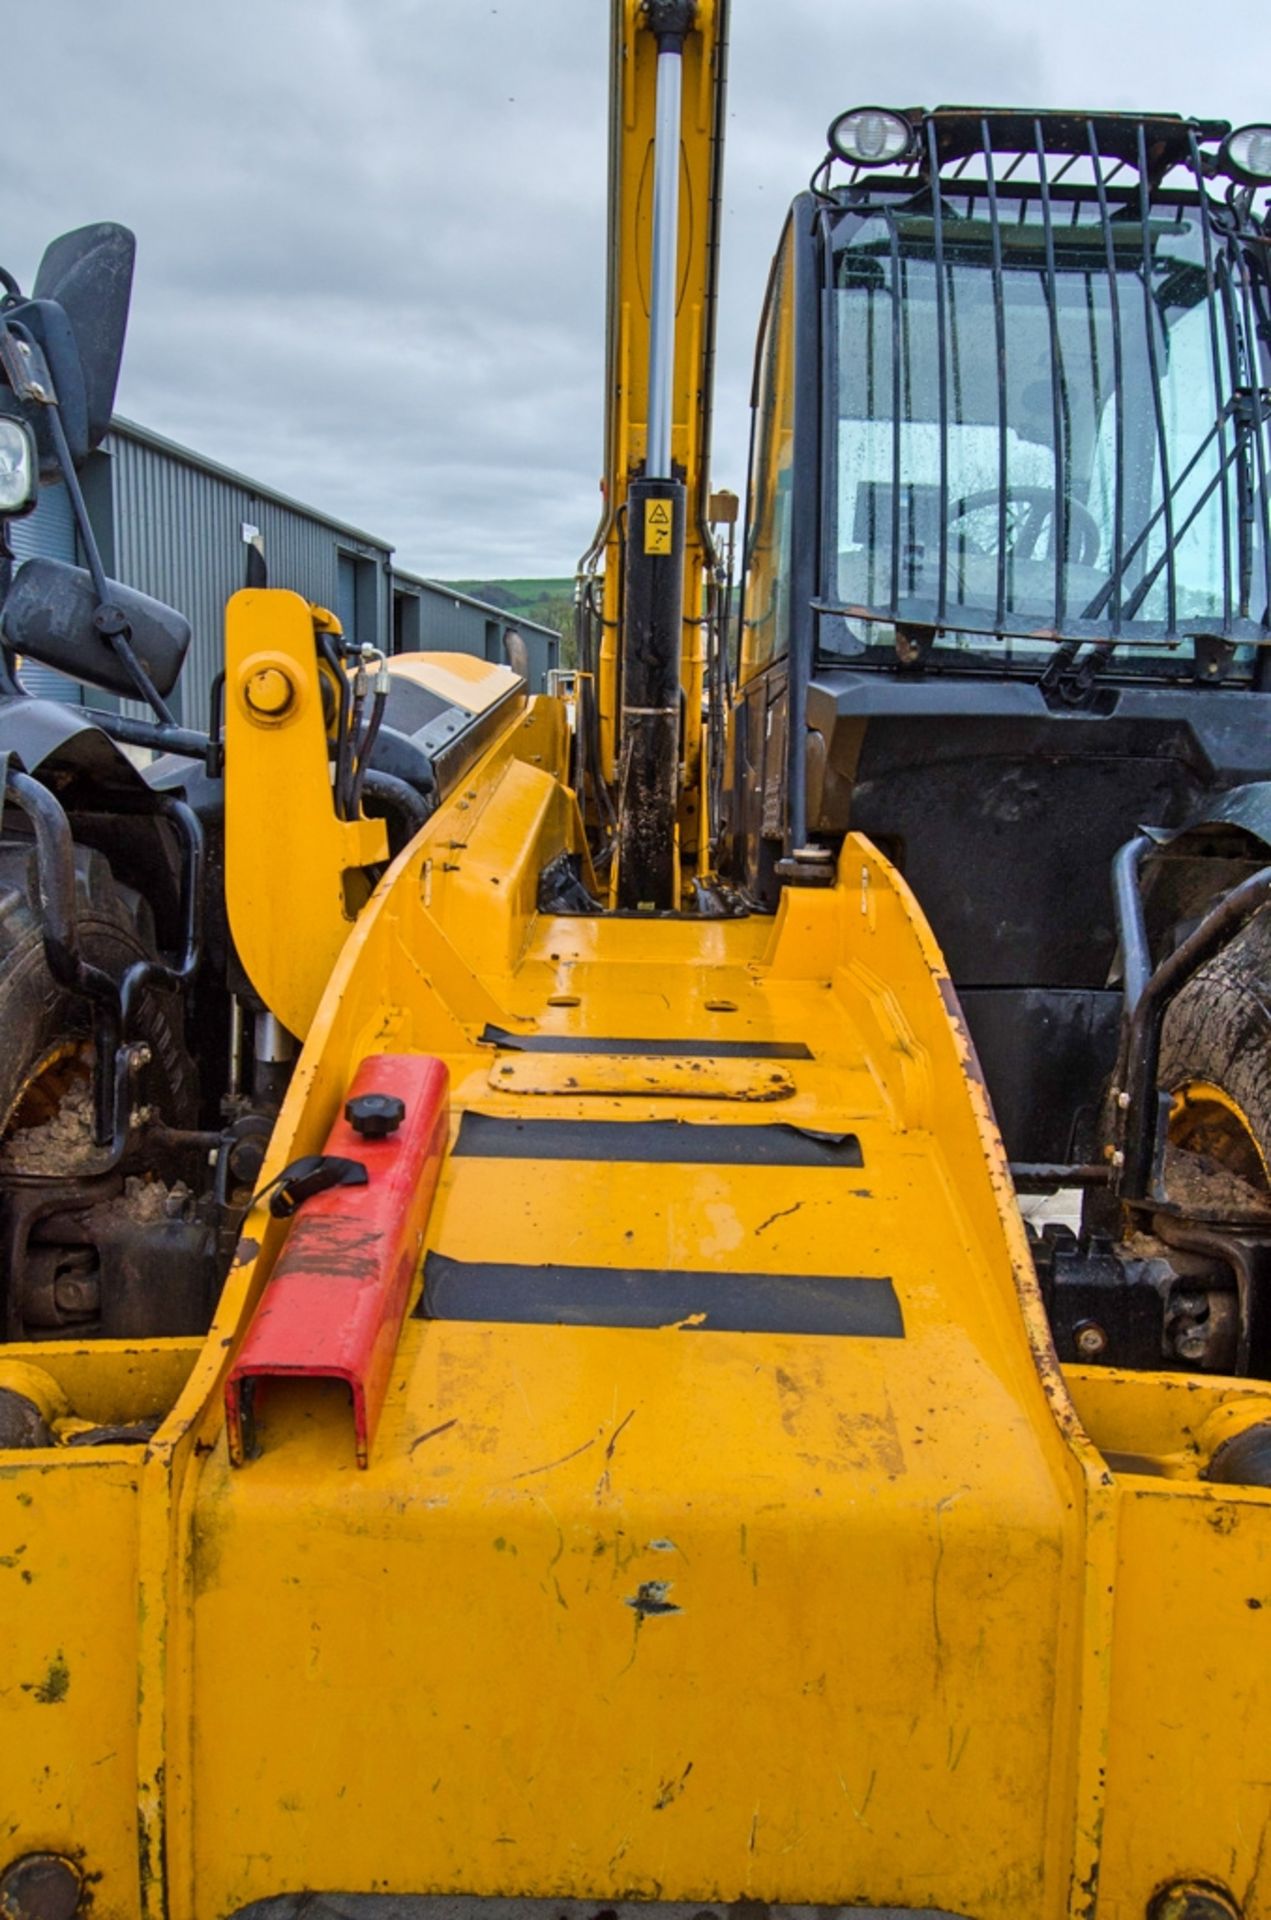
(957, 1020)
(56, 1684)
(650, 1598)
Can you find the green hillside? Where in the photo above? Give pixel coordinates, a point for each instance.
(550, 602)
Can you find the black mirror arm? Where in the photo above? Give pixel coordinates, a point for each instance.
(112, 626)
(110, 623)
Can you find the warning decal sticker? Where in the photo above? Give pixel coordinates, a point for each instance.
(657, 526)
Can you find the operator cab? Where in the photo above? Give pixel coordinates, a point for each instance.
(1008, 566)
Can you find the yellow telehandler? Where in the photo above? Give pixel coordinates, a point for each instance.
(639, 1461)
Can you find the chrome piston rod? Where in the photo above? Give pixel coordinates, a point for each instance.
(666, 224)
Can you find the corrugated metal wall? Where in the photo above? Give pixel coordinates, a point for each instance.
(172, 524)
(544, 652)
(177, 533)
(453, 622)
(303, 552)
(177, 536)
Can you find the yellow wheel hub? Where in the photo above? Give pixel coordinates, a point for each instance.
(1205, 1120)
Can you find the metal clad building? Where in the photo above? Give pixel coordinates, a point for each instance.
(454, 622)
(177, 527)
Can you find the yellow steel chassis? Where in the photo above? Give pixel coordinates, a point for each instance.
(922, 1645)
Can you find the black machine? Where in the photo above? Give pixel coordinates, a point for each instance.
(1008, 578)
(1008, 571)
(139, 1074)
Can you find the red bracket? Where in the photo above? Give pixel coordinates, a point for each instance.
(334, 1306)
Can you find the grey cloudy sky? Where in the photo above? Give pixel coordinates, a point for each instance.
(371, 232)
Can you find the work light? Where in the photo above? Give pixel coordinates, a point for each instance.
(17, 466)
(870, 137)
(1247, 153)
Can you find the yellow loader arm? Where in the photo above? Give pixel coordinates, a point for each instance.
(297, 873)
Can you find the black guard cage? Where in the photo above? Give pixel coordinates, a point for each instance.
(1049, 426)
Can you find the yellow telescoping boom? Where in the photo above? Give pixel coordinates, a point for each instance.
(650, 1487)
(667, 90)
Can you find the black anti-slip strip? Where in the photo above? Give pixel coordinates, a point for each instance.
(647, 1049)
(669, 1143)
(644, 1297)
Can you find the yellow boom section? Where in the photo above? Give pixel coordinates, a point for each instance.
(296, 880)
(808, 1587)
(631, 130)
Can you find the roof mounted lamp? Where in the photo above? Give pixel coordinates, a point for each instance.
(871, 137)
(1246, 154)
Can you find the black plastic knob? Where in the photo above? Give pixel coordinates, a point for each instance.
(374, 1115)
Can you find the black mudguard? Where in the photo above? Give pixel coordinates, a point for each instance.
(44, 736)
(1248, 807)
(107, 797)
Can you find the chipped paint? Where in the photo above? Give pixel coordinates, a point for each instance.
(650, 1599)
(54, 1687)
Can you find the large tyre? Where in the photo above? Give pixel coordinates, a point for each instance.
(1216, 1059)
(45, 1032)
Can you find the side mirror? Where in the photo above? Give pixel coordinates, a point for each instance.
(78, 313)
(49, 616)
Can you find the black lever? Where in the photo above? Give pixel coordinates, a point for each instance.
(305, 1177)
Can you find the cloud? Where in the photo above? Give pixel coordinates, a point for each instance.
(371, 236)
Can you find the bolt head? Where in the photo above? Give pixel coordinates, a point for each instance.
(1090, 1338)
(246, 1157)
(40, 1886)
(109, 620)
(269, 693)
(77, 1293)
(1193, 1900)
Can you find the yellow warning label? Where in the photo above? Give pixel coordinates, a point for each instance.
(657, 526)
